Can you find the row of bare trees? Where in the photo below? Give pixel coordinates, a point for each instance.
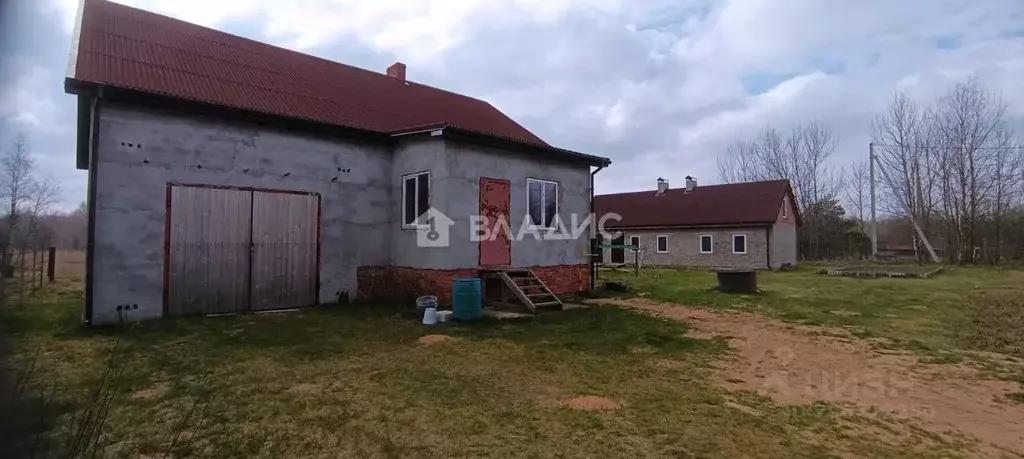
(804, 156)
(953, 166)
(28, 199)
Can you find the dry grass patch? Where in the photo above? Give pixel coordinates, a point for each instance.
(995, 322)
(590, 403)
(153, 391)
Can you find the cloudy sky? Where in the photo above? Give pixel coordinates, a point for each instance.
(659, 86)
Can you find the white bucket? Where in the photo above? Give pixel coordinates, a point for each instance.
(429, 316)
(444, 316)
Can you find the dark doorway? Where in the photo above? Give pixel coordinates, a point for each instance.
(619, 253)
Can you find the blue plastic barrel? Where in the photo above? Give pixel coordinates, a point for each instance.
(467, 299)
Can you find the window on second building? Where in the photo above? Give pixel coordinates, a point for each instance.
(662, 244)
(635, 242)
(739, 243)
(415, 198)
(785, 207)
(706, 243)
(542, 202)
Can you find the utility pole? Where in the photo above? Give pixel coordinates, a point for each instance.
(874, 210)
(909, 213)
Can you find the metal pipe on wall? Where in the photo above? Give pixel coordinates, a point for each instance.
(593, 264)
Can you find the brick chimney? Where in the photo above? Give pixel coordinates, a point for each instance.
(397, 71)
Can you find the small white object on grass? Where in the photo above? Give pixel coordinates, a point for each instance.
(429, 316)
(444, 316)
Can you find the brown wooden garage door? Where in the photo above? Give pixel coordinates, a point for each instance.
(235, 250)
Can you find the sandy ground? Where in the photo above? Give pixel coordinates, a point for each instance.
(801, 365)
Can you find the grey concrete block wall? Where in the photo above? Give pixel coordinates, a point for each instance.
(140, 150)
(684, 248)
(455, 170)
(414, 155)
(466, 163)
(165, 147)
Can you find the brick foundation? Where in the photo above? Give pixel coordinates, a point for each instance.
(400, 283)
(564, 279)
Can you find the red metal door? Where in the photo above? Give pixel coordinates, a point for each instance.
(496, 248)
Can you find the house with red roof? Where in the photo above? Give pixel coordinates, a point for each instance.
(738, 225)
(228, 175)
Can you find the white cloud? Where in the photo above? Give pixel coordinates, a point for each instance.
(208, 13)
(418, 32)
(27, 101)
(657, 84)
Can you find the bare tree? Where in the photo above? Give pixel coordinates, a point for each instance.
(803, 157)
(761, 158)
(1007, 170)
(69, 228)
(43, 195)
(858, 184)
(969, 119)
(27, 201)
(954, 169)
(902, 135)
(15, 187)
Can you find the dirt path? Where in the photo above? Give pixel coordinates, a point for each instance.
(801, 365)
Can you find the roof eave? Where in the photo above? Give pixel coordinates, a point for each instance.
(689, 226)
(479, 138)
(81, 87)
(175, 103)
(76, 39)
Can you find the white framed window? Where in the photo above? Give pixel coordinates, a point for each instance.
(662, 243)
(785, 207)
(707, 243)
(542, 202)
(635, 242)
(739, 243)
(415, 198)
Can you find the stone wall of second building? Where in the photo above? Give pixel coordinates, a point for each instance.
(683, 248)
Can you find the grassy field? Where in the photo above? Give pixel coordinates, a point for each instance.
(354, 382)
(928, 315)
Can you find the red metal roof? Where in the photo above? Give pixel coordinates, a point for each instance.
(730, 204)
(130, 48)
